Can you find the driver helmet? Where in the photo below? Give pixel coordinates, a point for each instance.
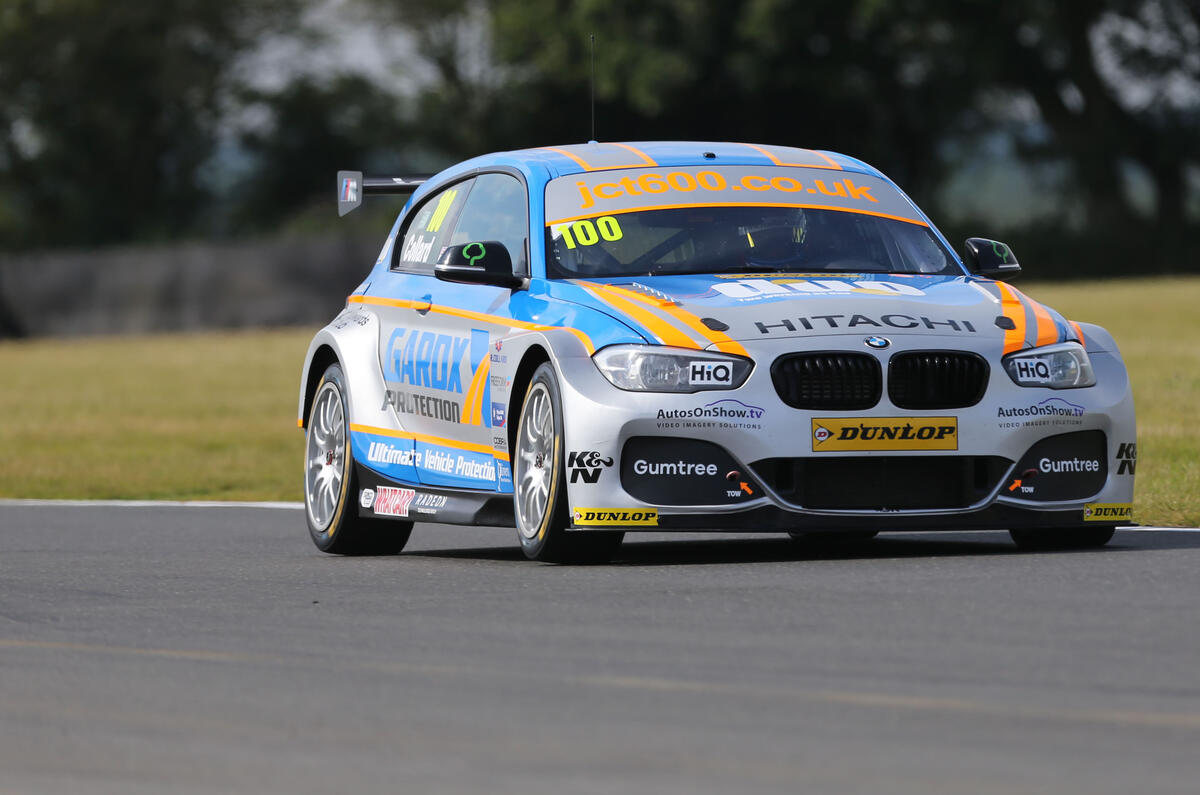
(776, 239)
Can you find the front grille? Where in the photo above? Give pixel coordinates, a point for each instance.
(828, 381)
(883, 482)
(924, 380)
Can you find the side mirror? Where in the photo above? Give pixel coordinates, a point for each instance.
(990, 258)
(483, 262)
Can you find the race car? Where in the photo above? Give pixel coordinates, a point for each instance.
(585, 340)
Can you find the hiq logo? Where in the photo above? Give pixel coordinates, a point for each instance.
(429, 359)
(1035, 370)
(704, 373)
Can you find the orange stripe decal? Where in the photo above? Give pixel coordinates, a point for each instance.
(586, 166)
(722, 341)
(469, 315)
(832, 163)
(582, 163)
(472, 411)
(485, 367)
(1047, 332)
(1014, 310)
(1078, 332)
(427, 439)
(771, 156)
(666, 333)
(649, 161)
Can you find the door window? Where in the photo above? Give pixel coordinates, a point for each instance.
(428, 233)
(496, 209)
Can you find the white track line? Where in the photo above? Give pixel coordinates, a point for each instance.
(149, 504)
(1163, 529)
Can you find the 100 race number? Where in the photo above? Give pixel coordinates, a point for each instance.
(586, 233)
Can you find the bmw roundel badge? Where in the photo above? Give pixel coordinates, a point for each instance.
(878, 342)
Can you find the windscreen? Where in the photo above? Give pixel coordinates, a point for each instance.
(735, 219)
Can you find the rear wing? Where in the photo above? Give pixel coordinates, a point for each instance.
(352, 186)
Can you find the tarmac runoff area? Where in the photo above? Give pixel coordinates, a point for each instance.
(150, 647)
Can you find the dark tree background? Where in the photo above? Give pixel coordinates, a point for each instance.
(111, 113)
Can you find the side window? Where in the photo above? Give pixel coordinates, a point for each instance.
(428, 233)
(496, 209)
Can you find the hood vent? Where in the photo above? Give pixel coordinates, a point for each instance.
(646, 289)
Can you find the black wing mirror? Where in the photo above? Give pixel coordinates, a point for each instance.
(482, 262)
(990, 258)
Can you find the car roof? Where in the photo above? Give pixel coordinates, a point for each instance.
(567, 159)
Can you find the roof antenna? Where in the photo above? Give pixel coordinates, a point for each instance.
(592, 36)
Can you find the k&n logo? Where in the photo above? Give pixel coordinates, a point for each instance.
(586, 465)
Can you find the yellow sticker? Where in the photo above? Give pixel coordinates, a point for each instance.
(588, 233)
(615, 516)
(833, 434)
(1108, 512)
(439, 214)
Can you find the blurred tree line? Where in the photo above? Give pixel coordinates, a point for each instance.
(126, 122)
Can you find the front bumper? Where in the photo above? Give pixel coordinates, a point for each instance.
(1008, 469)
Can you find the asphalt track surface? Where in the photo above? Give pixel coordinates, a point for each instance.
(199, 650)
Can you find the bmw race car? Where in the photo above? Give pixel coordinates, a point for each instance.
(585, 340)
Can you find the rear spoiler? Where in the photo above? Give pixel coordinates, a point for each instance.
(352, 186)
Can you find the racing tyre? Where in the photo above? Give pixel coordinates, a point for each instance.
(1062, 538)
(540, 483)
(330, 488)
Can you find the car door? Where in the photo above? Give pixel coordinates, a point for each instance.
(437, 351)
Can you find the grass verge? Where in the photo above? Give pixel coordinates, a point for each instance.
(212, 416)
(1156, 323)
(181, 417)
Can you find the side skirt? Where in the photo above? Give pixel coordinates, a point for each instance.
(417, 503)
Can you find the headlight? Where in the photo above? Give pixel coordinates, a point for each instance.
(653, 368)
(1064, 366)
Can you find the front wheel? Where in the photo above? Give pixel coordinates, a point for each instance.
(330, 488)
(1062, 537)
(540, 482)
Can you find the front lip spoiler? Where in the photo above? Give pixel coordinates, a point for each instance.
(771, 501)
(998, 516)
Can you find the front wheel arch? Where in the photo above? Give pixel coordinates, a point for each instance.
(540, 431)
(533, 358)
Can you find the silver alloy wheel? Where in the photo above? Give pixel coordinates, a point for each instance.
(325, 456)
(535, 460)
